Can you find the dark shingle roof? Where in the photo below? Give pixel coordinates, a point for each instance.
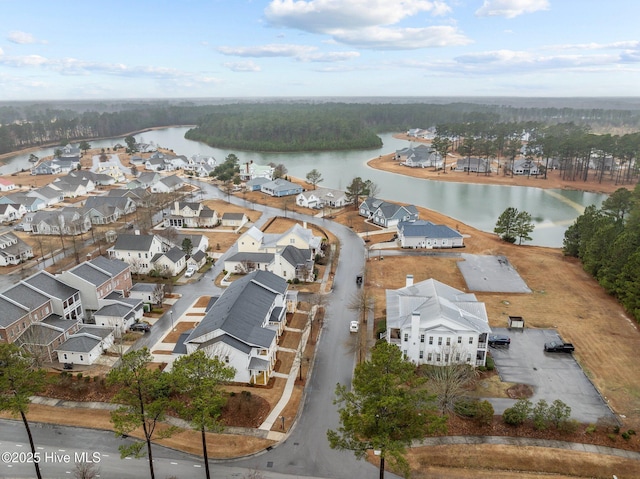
(25, 296)
(50, 286)
(10, 312)
(127, 242)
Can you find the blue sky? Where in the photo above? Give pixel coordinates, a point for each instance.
(54, 50)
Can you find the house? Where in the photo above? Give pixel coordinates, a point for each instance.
(525, 167)
(137, 251)
(69, 152)
(65, 299)
(433, 323)
(385, 214)
(118, 313)
(105, 174)
(191, 215)
(155, 164)
(48, 167)
(50, 196)
(150, 293)
(103, 210)
(243, 326)
(251, 170)
(25, 200)
(96, 279)
(198, 242)
(140, 196)
(11, 212)
(290, 255)
(280, 187)
(170, 263)
(7, 185)
(72, 187)
(167, 184)
(321, 197)
(425, 234)
(421, 156)
(13, 250)
(201, 165)
(85, 346)
(256, 183)
(144, 180)
(197, 259)
(65, 221)
(43, 337)
(14, 320)
(234, 220)
(472, 165)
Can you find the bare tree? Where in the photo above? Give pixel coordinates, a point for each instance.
(86, 470)
(363, 303)
(158, 294)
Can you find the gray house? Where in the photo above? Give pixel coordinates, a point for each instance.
(385, 214)
(281, 187)
(424, 234)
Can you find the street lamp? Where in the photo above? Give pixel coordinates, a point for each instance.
(171, 315)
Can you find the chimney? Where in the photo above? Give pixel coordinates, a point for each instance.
(409, 280)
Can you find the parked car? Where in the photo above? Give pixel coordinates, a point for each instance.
(558, 347)
(354, 326)
(190, 272)
(499, 340)
(19, 227)
(359, 279)
(144, 327)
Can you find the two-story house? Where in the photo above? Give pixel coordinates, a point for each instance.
(433, 323)
(186, 214)
(138, 251)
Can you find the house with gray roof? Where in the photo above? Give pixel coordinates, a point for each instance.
(72, 187)
(321, 197)
(280, 187)
(42, 338)
(118, 313)
(525, 167)
(140, 196)
(64, 221)
(85, 346)
(255, 184)
(170, 263)
(146, 179)
(138, 251)
(96, 279)
(425, 234)
(13, 250)
(50, 196)
(151, 293)
(65, 299)
(421, 156)
(243, 325)
(187, 214)
(11, 212)
(433, 323)
(47, 167)
(386, 214)
(26, 201)
(108, 209)
(473, 165)
(167, 184)
(234, 220)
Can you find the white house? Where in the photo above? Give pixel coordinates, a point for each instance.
(85, 346)
(433, 323)
(425, 234)
(321, 197)
(137, 251)
(242, 327)
(186, 214)
(6, 185)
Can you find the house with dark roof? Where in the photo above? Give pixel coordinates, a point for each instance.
(386, 214)
(72, 187)
(421, 156)
(425, 234)
(96, 279)
(118, 313)
(64, 221)
(321, 197)
(11, 212)
(147, 292)
(243, 326)
(170, 263)
(234, 220)
(13, 250)
(65, 299)
(525, 167)
(185, 214)
(473, 165)
(103, 210)
(146, 179)
(137, 251)
(42, 338)
(140, 196)
(48, 167)
(50, 196)
(433, 323)
(85, 346)
(255, 184)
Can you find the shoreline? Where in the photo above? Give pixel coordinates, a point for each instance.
(553, 180)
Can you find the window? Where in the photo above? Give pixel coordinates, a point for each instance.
(446, 358)
(421, 355)
(438, 357)
(430, 339)
(440, 341)
(468, 358)
(470, 339)
(422, 338)
(430, 357)
(65, 356)
(406, 336)
(81, 358)
(459, 339)
(457, 357)
(226, 359)
(448, 341)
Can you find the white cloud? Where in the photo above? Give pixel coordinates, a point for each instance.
(596, 46)
(329, 57)
(510, 8)
(270, 50)
(402, 38)
(323, 16)
(247, 66)
(22, 38)
(366, 23)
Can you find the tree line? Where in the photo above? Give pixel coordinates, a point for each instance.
(607, 241)
(290, 126)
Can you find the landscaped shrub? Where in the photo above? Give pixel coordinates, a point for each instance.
(491, 365)
(466, 407)
(484, 413)
(518, 413)
(591, 428)
(79, 376)
(541, 415)
(559, 413)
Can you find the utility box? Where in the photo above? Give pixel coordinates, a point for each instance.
(516, 322)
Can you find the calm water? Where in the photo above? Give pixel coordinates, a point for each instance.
(476, 205)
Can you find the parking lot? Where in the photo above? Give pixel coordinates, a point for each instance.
(551, 375)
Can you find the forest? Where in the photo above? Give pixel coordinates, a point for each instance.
(301, 125)
(607, 241)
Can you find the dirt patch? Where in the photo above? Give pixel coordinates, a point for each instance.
(520, 391)
(245, 410)
(178, 329)
(202, 302)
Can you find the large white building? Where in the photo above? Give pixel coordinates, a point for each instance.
(433, 323)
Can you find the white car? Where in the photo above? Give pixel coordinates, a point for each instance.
(190, 272)
(353, 327)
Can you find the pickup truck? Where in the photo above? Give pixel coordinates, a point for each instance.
(558, 347)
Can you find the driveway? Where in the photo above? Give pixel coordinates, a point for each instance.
(552, 375)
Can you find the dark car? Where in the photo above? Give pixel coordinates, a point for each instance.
(499, 340)
(558, 347)
(144, 327)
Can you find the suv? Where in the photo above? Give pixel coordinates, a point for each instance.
(144, 327)
(353, 327)
(190, 272)
(499, 340)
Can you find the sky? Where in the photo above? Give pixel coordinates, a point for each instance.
(94, 49)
